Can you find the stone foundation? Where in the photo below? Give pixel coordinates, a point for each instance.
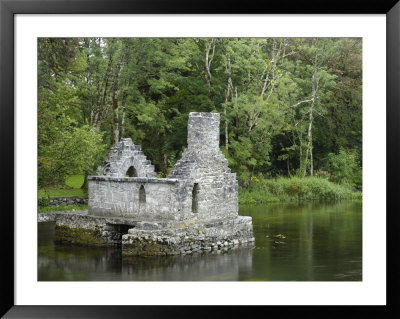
(139, 238)
(189, 238)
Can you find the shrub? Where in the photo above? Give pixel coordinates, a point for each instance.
(43, 202)
(295, 189)
(344, 168)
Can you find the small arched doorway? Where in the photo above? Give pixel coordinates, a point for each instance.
(195, 198)
(142, 196)
(131, 172)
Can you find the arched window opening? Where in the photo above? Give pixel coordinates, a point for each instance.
(131, 172)
(195, 198)
(142, 195)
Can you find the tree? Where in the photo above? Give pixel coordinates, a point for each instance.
(65, 144)
(286, 103)
(343, 167)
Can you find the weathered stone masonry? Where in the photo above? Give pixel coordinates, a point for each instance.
(194, 209)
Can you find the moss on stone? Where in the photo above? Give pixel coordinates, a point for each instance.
(186, 224)
(79, 236)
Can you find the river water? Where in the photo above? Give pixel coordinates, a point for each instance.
(293, 242)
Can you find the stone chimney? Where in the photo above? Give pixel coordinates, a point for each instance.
(203, 131)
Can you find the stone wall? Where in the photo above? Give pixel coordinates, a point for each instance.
(200, 186)
(59, 201)
(204, 165)
(139, 198)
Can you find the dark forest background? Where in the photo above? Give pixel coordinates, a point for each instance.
(290, 107)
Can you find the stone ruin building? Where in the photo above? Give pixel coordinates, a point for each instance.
(195, 209)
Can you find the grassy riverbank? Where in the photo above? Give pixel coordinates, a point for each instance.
(72, 187)
(295, 189)
(47, 209)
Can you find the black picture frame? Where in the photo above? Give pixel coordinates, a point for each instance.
(8, 8)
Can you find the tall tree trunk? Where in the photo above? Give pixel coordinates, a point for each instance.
(115, 123)
(208, 61)
(303, 166)
(236, 108)
(114, 101)
(101, 107)
(226, 129)
(89, 81)
(314, 88)
(268, 82)
(227, 93)
(124, 98)
(309, 144)
(85, 181)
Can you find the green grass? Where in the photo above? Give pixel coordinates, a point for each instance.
(73, 185)
(295, 189)
(61, 208)
(75, 181)
(61, 193)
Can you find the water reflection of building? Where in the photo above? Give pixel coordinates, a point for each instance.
(65, 262)
(106, 264)
(196, 267)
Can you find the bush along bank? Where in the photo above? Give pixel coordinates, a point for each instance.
(284, 189)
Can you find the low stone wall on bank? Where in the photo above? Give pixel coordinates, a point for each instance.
(62, 201)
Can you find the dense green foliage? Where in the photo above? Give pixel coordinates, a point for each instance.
(344, 168)
(289, 107)
(295, 189)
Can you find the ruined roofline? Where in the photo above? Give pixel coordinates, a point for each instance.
(133, 179)
(126, 158)
(124, 155)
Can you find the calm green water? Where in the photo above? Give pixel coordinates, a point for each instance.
(294, 242)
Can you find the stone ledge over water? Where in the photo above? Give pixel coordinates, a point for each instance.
(181, 239)
(142, 238)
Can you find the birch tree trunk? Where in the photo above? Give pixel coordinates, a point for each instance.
(114, 99)
(208, 61)
(227, 93)
(314, 92)
(128, 83)
(89, 81)
(124, 98)
(309, 144)
(101, 111)
(268, 80)
(115, 122)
